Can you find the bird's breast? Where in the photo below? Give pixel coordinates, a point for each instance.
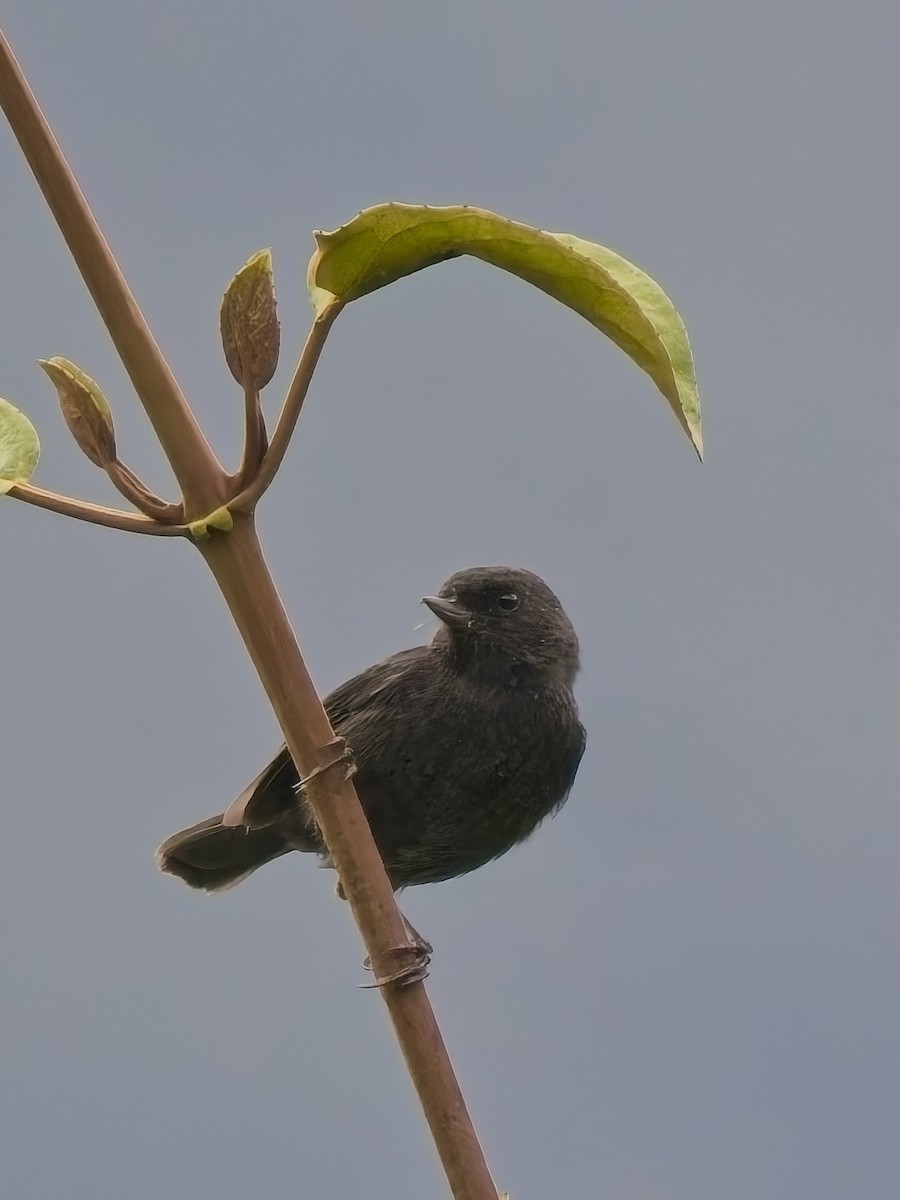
(471, 774)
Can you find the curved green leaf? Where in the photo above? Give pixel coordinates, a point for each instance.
(386, 242)
(19, 447)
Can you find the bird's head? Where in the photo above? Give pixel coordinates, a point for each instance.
(508, 616)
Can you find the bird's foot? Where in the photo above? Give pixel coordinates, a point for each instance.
(413, 967)
(414, 958)
(341, 756)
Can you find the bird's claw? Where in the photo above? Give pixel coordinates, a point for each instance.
(342, 756)
(415, 958)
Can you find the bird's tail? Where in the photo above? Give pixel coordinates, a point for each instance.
(214, 856)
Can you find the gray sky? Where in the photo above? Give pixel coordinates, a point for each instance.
(686, 987)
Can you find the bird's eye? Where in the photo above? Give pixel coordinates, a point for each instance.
(508, 602)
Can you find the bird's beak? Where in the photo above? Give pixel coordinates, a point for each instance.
(447, 611)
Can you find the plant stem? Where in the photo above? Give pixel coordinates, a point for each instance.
(134, 489)
(239, 568)
(255, 439)
(96, 514)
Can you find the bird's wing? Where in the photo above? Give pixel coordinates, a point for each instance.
(272, 794)
(353, 698)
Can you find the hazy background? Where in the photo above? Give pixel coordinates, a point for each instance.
(687, 986)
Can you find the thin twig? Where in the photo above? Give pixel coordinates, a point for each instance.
(246, 500)
(96, 514)
(134, 489)
(256, 440)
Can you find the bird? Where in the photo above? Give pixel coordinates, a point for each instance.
(462, 747)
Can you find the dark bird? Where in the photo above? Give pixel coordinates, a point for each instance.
(462, 747)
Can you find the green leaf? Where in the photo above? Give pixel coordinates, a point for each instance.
(248, 320)
(386, 242)
(19, 447)
(85, 409)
